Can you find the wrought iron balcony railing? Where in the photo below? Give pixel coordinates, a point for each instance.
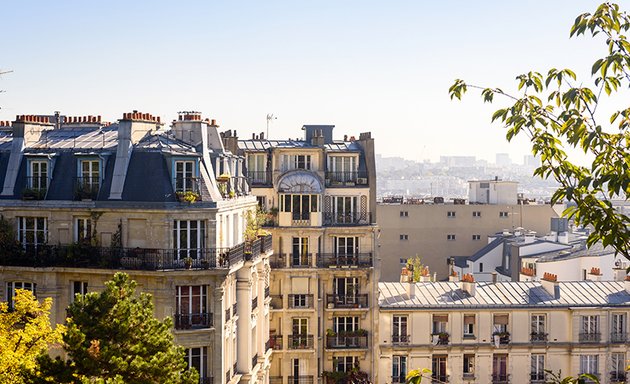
(301, 380)
(618, 337)
(401, 339)
(346, 218)
(347, 341)
(276, 342)
(86, 188)
(301, 260)
(36, 188)
(500, 378)
(347, 301)
(276, 302)
(349, 178)
(328, 260)
(300, 342)
(193, 320)
(259, 177)
(590, 337)
(538, 337)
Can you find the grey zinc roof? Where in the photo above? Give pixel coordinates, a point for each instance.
(77, 138)
(263, 145)
(487, 248)
(595, 250)
(446, 295)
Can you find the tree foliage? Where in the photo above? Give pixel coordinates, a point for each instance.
(557, 112)
(25, 332)
(113, 337)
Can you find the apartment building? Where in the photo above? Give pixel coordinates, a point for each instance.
(437, 230)
(167, 205)
(319, 195)
(504, 332)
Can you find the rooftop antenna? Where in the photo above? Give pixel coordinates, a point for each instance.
(270, 117)
(2, 73)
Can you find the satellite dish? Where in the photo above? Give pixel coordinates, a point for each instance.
(618, 263)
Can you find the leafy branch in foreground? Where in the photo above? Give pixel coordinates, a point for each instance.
(556, 113)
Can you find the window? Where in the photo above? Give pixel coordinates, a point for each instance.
(399, 330)
(589, 364)
(469, 366)
(197, 358)
(450, 237)
(450, 214)
(537, 327)
(404, 237)
(480, 267)
(345, 324)
(262, 202)
(500, 323)
(403, 261)
(590, 328)
(257, 168)
(537, 370)
(503, 214)
(399, 369)
(300, 205)
(469, 326)
(499, 368)
(82, 230)
(346, 246)
(300, 256)
(300, 301)
(476, 214)
(290, 162)
(189, 238)
(13, 285)
(38, 177)
(185, 179)
(89, 173)
(32, 231)
(438, 368)
(345, 209)
(300, 326)
(342, 168)
(191, 306)
(440, 323)
(618, 328)
(345, 363)
(78, 288)
(346, 289)
(476, 237)
(404, 213)
(618, 367)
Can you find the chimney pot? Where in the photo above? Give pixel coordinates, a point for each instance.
(214, 122)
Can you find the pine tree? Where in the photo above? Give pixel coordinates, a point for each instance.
(113, 337)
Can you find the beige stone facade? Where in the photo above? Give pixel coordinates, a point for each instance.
(435, 232)
(319, 195)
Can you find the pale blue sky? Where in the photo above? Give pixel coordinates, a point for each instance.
(380, 66)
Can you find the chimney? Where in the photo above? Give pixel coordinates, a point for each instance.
(595, 274)
(494, 277)
(550, 284)
(626, 284)
(191, 129)
(411, 289)
(467, 284)
(30, 127)
(425, 275)
(453, 277)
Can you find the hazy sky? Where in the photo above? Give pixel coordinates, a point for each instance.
(379, 66)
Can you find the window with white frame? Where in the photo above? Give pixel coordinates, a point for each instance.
(346, 287)
(345, 363)
(346, 245)
(503, 214)
(197, 358)
(589, 364)
(400, 332)
(82, 229)
(500, 323)
(537, 327)
(399, 369)
(189, 238)
(12, 286)
(342, 168)
(38, 177)
(404, 237)
(590, 324)
(404, 213)
(476, 237)
(342, 324)
(300, 254)
(618, 327)
(191, 306)
(469, 366)
(300, 206)
(345, 209)
(290, 162)
(440, 323)
(90, 172)
(469, 326)
(78, 288)
(257, 167)
(184, 176)
(32, 231)
(618, 367)
(537, 367)
(300, 326)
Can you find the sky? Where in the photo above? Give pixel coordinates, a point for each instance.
(378, 66)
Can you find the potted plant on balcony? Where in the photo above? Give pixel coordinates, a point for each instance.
(205, 264)
(188, 262)
(188, 196)
(443, 338)
(330, 333)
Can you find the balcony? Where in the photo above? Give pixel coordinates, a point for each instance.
(346, 179)
(338, 219)
(538, 337)
(537, 378)
(304, 260)
(258, 178)
(590, 337)
(332, 260)
(301, 380)
(300, 219)
(193, 321)
(501, 339)
(440, 338)
(399, 379)
(278, 260)
(618, 337)
(303, 301)
(501, 378)
(439, 379)
(347, 340)
(254, 303)
(276, 302)
(275, 342)
(347, 301)
(36, 188)
(86, 188)
(401, 339)
(349, 377)
(300, 342)
(468, 376)
(144, 259)
(618, 377)
(187, 189)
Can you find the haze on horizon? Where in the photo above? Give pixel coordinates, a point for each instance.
(383, 67)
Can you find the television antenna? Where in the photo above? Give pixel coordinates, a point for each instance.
(270, 117)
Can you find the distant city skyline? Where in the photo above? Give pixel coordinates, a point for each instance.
(363, 66)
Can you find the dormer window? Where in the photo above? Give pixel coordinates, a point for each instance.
(185, 179)
(290, 162)
(89, 178)
(37, 179)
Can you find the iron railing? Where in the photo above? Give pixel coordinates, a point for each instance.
(276, 380)
(401, 339)
(228, 314)
(206, 380)
(36, 188)
(187, 184)
(234, 309)
(537, 377)
(399, 379)
(346, 218)
(347, 341)
(347, 301)
(275, 342)
(538, 337)
(301, 260)
(267, 291)
(439, 379)
(276, 302)
(327, 260)
(278, 260)
(351, 178)
(300, 301)
(500, 378)
(300, 342)
(254, 303)
(258, 177)
(193, 320)
(440, 338)
(618, 377)
(301, 380)
(86, 188)
(590, 337)
(254, 360)
(618, 337)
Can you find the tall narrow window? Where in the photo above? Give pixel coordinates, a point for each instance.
(618, 328)
(257, 168)
(185, 179)
(345, 363)
(469, 367)
(188, 238)
(32, 231)
(537, 368)
(78, 288)
(399, 369)
(537, 327)
(90, 172)
(499, 368)
(618, 367)
(400, 334)
(469, 326)
(13, 285)
(82, 230)
(345, 210)
(589, 330)
(191, 306)
(197, 358)
(589, 364)
(39, 175)
(300, 255)
(438, 371)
